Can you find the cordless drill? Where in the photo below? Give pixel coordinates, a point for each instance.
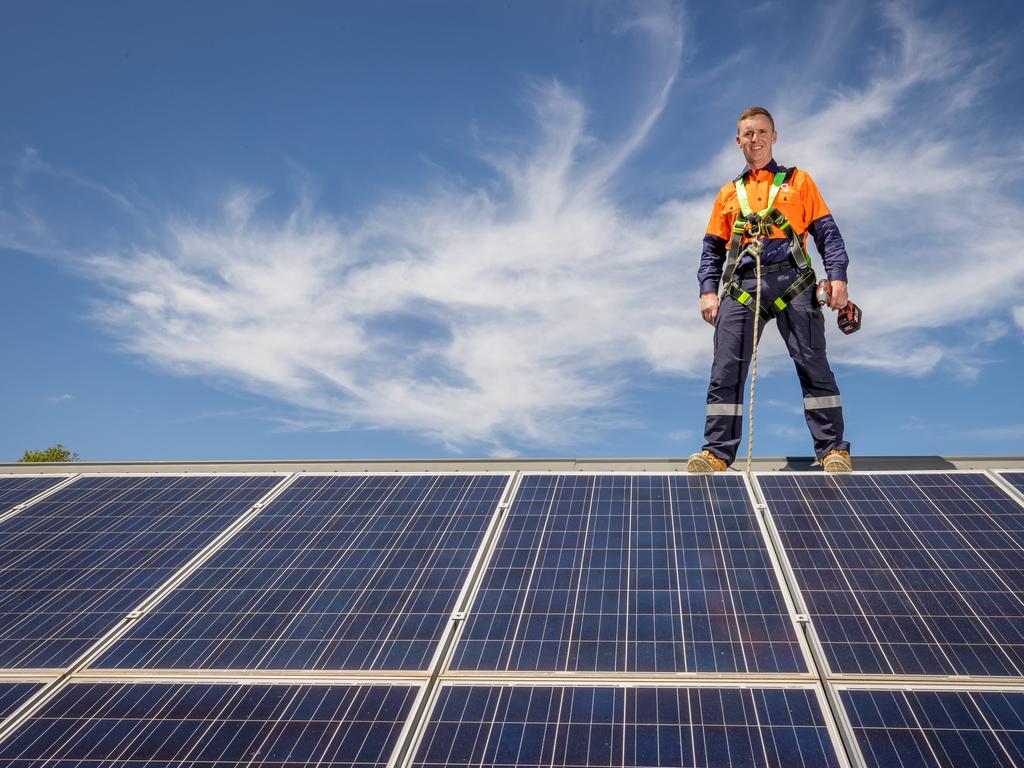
(849, 316)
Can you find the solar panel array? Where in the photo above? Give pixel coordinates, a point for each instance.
(500, 618)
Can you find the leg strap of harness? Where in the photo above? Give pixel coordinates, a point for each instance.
(769, 311)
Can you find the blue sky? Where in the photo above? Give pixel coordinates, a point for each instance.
(410, 229)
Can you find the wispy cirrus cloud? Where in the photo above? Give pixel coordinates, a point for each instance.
(502, 318)
(514, 314)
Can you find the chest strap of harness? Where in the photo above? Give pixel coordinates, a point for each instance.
(754, 226)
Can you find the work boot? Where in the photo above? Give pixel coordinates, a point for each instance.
(837, 461)
(706, 461)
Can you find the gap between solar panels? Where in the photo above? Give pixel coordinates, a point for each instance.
(22, 713)
(24, 504)
(818, 661)
(424, 705)
(1010, 481)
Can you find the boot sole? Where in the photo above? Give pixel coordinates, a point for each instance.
(838, 465)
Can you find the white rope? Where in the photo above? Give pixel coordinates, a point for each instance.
(753, 357)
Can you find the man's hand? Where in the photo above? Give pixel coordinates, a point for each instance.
(839, 296)
(709, 305)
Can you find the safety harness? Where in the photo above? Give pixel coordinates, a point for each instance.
(755, 226)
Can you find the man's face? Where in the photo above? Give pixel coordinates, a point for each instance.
(755, 139)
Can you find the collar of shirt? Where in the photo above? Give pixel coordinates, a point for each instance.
(772, 168)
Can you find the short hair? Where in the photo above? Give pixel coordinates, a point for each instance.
(751, 112)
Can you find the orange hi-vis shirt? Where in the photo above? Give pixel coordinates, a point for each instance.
(799, 200)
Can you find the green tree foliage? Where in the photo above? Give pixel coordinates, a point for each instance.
(54, 453)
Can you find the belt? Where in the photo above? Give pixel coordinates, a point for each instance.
(766, 269)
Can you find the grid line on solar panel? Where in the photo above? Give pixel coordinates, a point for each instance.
(533, 726)
(73, 564)
(354, 572)
(17, 489)
(906, 574)
(149, 724)
(931, 728)
(630, 573)
(13, 695)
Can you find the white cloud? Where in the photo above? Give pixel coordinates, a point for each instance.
(501, 318)
(61, 399)
(1018, 317)
(515, 314)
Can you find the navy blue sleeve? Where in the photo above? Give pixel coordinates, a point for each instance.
(712, 258)
(831, 246)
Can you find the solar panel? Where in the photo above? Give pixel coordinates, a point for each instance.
(13, 695)
(621, 573)
(534, 726)
(930, 728)
(907, 574)
(338, 572)
(130, 725)
(1016, 479)
(14, 489)
(75, 563)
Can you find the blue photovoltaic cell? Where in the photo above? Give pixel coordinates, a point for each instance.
(339, 572)
(1016, 479)
(915, 574)
(14, 489)
(136, 725)
(933, 729)
(665, 573)
(533, 726)
(75, 563)
(12, 695)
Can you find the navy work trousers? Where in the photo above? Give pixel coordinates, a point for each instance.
(803, 329)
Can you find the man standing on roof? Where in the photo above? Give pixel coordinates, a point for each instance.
(770, 209)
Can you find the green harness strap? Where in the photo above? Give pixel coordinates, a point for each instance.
(769, 311)
(749, 224)
(741, 193)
